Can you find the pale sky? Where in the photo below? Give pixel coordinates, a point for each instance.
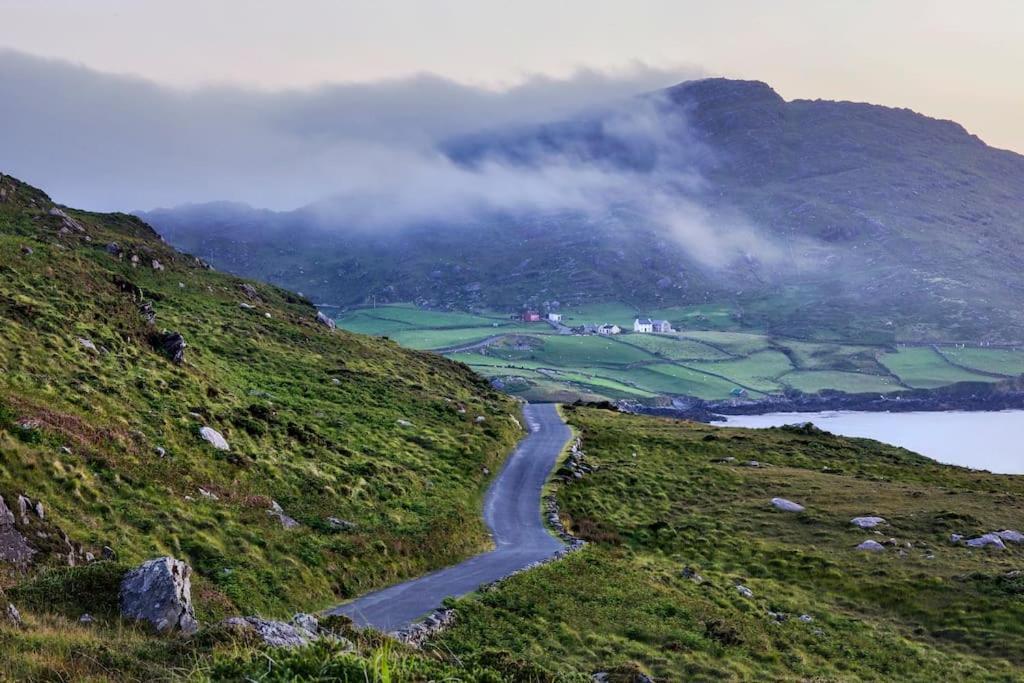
(948, 59)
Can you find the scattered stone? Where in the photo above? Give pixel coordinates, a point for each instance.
(787, 505)
(157, 265)
(27, 251)
(871, 546)
(724, 461)
(691, 574)
(86, 619)
(160, 452)
(340, 524)
(955, 538)
(108, 553)
(249, 291)
(744, 591)
(246, 307)
(806, 618)
(114, 249)
(987, 540)
(14, 548)
(67, 222)
(208, 494)
(404, 423)
(172, 344)
(1011, 536)
(12, 615)
(307, 622)
(215, 438)
(276, 511)
(148, 312)
(88, 345)
(752, 463)
(867, 522)
(65, 450)
(324, 320)
(159, 591)
(435, 622)
(272, 633)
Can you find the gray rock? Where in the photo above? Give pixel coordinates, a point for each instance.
(691, 574)
(404, 423)
(246, 307)
(14, 548)
(1011, 536)
(88, 345)
(27, 251)
(273, 633)
(157, 265)
(108, 553)
(160, 452)
(806, 618)
(249, 291)
(307, 622)
(987, 540)
(325, 321)
(12, 615)
(955, 538)
(871, 546)
(160, 592)
(479, 419)
(215, 438)
(86, 619)
(867, 522)
(114, 249)
(340, 524)
(744, 591)
(173, 345)
(787, 505)
(277, 512)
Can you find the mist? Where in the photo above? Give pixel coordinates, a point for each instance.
(365, 156)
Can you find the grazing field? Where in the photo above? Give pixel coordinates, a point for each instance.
(813, 381)
(926, 368)
(676, 528)
(711, 357)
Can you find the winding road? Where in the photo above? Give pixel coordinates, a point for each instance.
(512, 511)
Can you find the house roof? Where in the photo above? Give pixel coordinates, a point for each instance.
(659, 322)
(645, 321)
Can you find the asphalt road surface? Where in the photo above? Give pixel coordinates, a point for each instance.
(512, 511)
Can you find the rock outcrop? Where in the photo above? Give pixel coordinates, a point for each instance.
(786, 505)
(277, 512)
(171, 344)
(867, 522)
(14, 548)
(303, 629)
(159, 592)
(325, 321)
(214, 438)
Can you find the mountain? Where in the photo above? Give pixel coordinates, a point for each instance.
(867, 220)
(349, 461)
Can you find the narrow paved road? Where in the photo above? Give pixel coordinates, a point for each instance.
(513, 514)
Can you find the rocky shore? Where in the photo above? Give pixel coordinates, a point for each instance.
(970, 396)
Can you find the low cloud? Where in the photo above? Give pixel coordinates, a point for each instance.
(365, 155)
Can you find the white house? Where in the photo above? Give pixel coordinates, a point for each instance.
(607, 329)
(661, 327)
(555, 317)
(645, 326)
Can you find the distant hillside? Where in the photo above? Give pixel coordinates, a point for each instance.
(888, 222)
(352, 462)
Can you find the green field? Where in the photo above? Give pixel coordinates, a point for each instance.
(709, 358)
(926, 368)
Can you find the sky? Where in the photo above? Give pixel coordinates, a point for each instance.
(949, 59)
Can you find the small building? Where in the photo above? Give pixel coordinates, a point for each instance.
(737, 392)
(661, 327)
(531, 317)
(555, 317)
(643, 326)
(608, 329)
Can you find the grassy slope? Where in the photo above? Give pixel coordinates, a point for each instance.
(311, 415)
(658, 503)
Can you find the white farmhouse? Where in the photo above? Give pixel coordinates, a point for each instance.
(661, 327)
(645, 326)
(555, 317)
(608, 329)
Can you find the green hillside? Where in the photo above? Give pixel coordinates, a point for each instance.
(101, 426)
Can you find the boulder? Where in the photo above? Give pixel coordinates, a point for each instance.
(157, 265)
(215, 438)
(986, 540)
(871, 546)
(867, 522)
(1011, 536)
(272, 633)
(114, 249)
(88, 345)
(325, 321)
(14, 548)
(11, 615)
(276, 511)
(159, 592)
(172, 344)
(340, 524)
(787, 505)
(744, 591)
(249, 291)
